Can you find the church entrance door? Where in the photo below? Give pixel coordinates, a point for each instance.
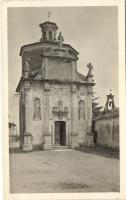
(60, 133)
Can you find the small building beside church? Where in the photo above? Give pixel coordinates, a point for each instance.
(55, 99)
(106, 125)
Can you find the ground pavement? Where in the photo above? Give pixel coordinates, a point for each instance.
(62, 171)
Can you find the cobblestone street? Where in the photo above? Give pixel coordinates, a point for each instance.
(63, 171)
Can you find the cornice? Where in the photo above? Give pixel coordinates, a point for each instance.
(52, 81)
(38, 45)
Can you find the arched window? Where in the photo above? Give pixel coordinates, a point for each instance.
(44, 35)
(50, 35)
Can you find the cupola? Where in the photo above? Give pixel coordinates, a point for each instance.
(49, 31)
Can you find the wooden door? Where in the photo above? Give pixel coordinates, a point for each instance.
(62, 133)
(57, 133)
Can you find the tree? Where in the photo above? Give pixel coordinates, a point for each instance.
(96, 109)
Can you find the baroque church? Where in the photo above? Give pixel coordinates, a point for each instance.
(55, 100)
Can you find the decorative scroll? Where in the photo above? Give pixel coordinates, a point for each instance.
(26, 68)
(60, 52)
(90, 90)
(81, 112)
(26, 65)
(60, 110)
(27, 85)
(37, 109)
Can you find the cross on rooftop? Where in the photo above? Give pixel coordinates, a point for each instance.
(49, 14)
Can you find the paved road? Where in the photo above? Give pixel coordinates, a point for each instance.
(63, 171)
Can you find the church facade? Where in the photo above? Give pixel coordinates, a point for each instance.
(55, 99)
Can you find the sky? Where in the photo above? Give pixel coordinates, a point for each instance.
(92, 31)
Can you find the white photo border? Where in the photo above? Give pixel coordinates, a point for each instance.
(4, 100)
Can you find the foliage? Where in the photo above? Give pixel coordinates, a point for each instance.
(96, 109)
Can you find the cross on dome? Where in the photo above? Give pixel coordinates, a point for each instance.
(49, 14)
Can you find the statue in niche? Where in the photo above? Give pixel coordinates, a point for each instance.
(37, 109)
(27, 68)
(81, 104)
(60, 38)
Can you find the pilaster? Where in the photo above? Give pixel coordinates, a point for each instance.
(74, 134)
(47, 134)
(46, 67)
(89, 139)
(27, 146)
(74, 68)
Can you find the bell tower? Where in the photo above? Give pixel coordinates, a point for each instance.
(110, 105)
(49, 31)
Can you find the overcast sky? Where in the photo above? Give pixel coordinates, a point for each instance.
(92, 31)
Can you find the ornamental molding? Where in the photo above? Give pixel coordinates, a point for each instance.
(74, 88)
(27, 85)
(59, 52)
(46, 86)
(60, 110)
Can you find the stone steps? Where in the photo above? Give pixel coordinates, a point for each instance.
(60, 148)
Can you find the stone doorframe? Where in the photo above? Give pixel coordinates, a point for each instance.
(60, 133)
(52, 125)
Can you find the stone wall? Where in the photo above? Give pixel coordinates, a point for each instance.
(106, 128)
(14, 142)
(21, 116)
(59, 69)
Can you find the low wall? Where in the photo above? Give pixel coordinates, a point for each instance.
(14, 141)
(106, 130)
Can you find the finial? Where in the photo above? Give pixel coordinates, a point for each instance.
(110, 93)
(61, 39)
(89, 65)
(49, 14)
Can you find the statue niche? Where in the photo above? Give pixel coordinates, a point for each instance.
(81, 111)
(37, 109)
